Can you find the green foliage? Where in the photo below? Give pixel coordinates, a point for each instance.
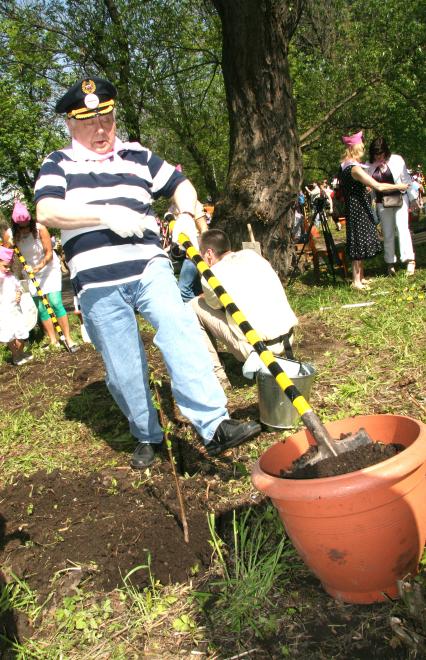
(386, 340)
(359, 65)
(27, 132)
(75, 615)
(164, 58)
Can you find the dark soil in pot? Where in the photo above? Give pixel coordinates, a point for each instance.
(350, 461)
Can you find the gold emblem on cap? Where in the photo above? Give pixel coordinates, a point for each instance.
(88, 86)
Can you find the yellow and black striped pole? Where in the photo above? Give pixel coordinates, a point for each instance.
(309, 418)
(41, 295)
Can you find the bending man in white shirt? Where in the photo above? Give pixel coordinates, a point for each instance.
(255, 288)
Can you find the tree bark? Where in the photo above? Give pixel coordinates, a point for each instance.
(265, 160)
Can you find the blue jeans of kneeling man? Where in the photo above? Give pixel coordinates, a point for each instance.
(109, 317)
(189, 281)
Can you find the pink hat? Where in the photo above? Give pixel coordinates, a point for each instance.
(350, 140)
(179, 167)
(20, 213)
(6, 254)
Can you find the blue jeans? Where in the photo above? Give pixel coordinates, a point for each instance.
(189, 281)
(109, 317)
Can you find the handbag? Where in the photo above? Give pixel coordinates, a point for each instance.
(392, 201)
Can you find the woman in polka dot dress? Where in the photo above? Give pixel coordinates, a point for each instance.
(362, 241)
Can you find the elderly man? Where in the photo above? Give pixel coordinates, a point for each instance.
(99, 191)
(255, 288)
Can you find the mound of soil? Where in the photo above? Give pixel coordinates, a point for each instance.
(350, 461)
(107, 523)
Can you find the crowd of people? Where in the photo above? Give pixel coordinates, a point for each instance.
(35, 245)
(378, 194)
(99, 192)
(35, 279)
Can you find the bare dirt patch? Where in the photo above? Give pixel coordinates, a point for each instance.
(108, 522)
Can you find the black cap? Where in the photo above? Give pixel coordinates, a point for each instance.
(88, 97)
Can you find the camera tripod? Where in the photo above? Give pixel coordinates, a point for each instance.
(333, 259)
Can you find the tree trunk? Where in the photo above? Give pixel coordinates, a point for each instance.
(265, 160)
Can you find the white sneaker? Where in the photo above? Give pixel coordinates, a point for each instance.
(23, 360)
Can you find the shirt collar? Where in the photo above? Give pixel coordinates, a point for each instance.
(79, 152)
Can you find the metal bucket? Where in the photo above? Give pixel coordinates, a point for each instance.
(275, 409)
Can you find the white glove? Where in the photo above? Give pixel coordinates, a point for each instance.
(252, 365)
(185, 225)
(123, 221)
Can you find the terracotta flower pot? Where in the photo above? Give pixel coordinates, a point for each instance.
(358, 532)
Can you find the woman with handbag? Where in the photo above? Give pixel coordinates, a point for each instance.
(392, 208)
(362, 241)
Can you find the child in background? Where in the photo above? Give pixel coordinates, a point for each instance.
(13, 328)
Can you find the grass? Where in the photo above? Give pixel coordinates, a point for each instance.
(87, 624)
(257, 559)
(30, 443)
(386, 339)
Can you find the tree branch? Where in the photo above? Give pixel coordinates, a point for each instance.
(332, 111)
(296, 15)
(412, 100)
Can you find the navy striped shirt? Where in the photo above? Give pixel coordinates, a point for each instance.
(133, 177)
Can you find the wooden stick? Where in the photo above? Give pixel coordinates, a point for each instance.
(166, 430)
(418, 404)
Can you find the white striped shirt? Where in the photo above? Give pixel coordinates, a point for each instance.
(131, 177)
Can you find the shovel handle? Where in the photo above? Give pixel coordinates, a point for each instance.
(41, 295)
(250, 231)
(310, 419)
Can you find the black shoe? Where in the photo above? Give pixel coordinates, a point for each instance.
(231, 433)
(143, 456)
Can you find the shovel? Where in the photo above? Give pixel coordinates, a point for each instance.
(253, 245)
(326, 446)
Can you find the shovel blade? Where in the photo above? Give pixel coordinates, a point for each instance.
(351, 442)
(342, 446)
